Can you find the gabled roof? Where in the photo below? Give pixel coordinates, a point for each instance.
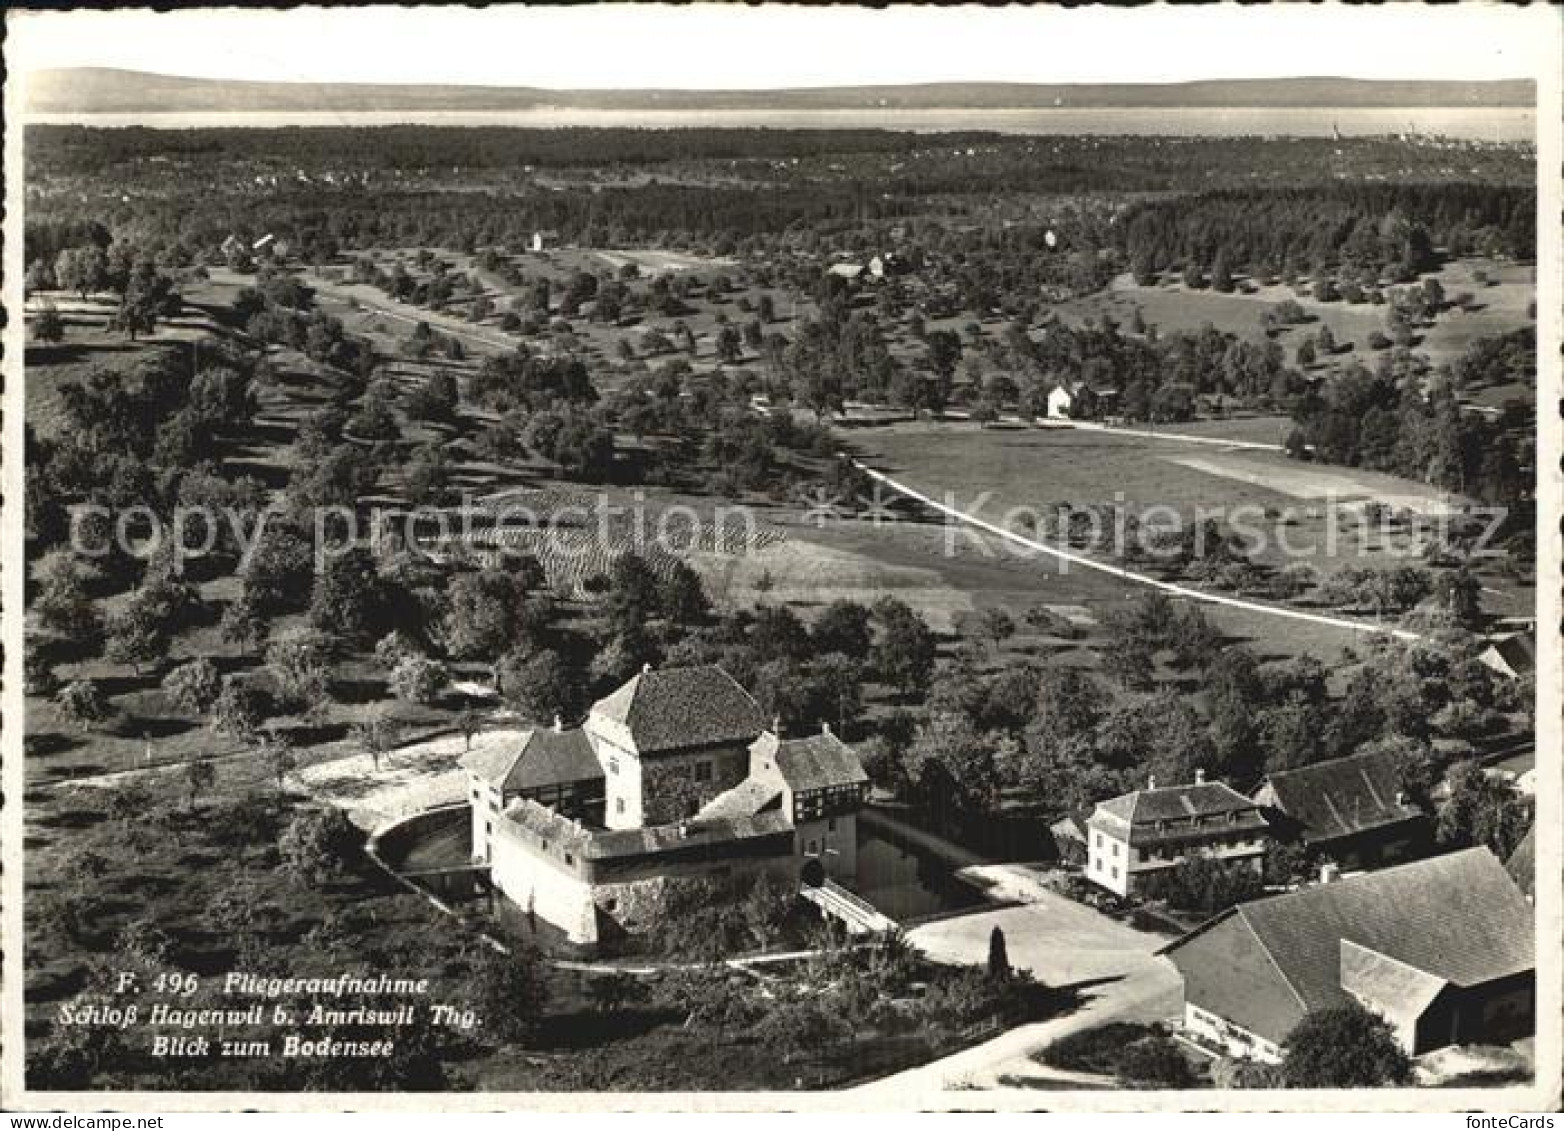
(1388, 986)
(1458, 918)
(531, 759)
(1522, 864)
(1518, 652)
(669, 709)
(750, 797)
(1340, 797)
(1147, 811)
(817, 762)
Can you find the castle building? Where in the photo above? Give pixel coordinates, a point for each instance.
(673, 776)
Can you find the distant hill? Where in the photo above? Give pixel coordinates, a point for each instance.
(96, 90)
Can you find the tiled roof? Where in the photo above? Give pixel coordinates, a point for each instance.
(1522, 864)
(746, 799)
(610, 844)
(532, 759)
(679, 708)
(817, 762)
(1390, 987)
(1457, 917)
(1340, 797)
(1518, 651)
(1170, 812)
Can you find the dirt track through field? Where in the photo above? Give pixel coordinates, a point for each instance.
(1119, 571)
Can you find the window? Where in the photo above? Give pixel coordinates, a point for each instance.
(703, 771)
(613, 765)
(1115, 848)
(814, 848)
(830, 826)
(569, 859)
(1115, 872)
(619, 805)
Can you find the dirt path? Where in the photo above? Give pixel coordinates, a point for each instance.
(1120, 572)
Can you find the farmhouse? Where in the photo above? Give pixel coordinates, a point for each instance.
(1352, 810)
(542, 241)
(851, 272)
(1059, 403)
(1153, 829)
(1513, 655)
(673, 776)
(1442, 949)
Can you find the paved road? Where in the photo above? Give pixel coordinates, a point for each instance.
(1122, 573)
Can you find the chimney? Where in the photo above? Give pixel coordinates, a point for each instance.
(1151, 782)
(776, 725)
(1200, 777)
(1329, 873)
(646, 669)
(559, 724)
(825, 728)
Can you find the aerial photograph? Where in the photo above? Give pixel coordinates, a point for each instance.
(951, 574)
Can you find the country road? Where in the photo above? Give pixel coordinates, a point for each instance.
(1119, 571)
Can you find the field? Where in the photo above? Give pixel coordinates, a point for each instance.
(1499, 305)
(990, 471)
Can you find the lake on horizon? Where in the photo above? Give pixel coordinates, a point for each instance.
(1490, 124)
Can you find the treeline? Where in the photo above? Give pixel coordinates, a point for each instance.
(1029, 163)
(1400, 423)
(1388, 230)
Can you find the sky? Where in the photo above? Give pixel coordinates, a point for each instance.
(715, 46)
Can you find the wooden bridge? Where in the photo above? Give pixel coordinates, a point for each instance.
(856, 912)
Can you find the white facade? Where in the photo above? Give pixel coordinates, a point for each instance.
(1059, 402)
(1218, 1032)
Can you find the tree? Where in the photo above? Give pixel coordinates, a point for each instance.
(469, 722)
(843, 626)
(486, 614)
(349, 600)
(1344, 1046)
(998, 956)
(276, 751)
(1482, 810)
(298, 664)
(318, 844)
(62, 605)
(194, 686)
(149, 295)
(81, 703)
(375, 736)
(138, 632)
(48, 326)
(540, 685)
(510, 991)
(82, 269)
(417, 679)
(199, 776)
(682, 596)
(238, 709)
(904, 647)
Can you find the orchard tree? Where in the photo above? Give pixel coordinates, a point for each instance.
(417, 679)
(375, 736)
(81, 703)
(239, 708)
(194, 686)
(904, 647)
(199, 775)
(318, 844)
(48, 326)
